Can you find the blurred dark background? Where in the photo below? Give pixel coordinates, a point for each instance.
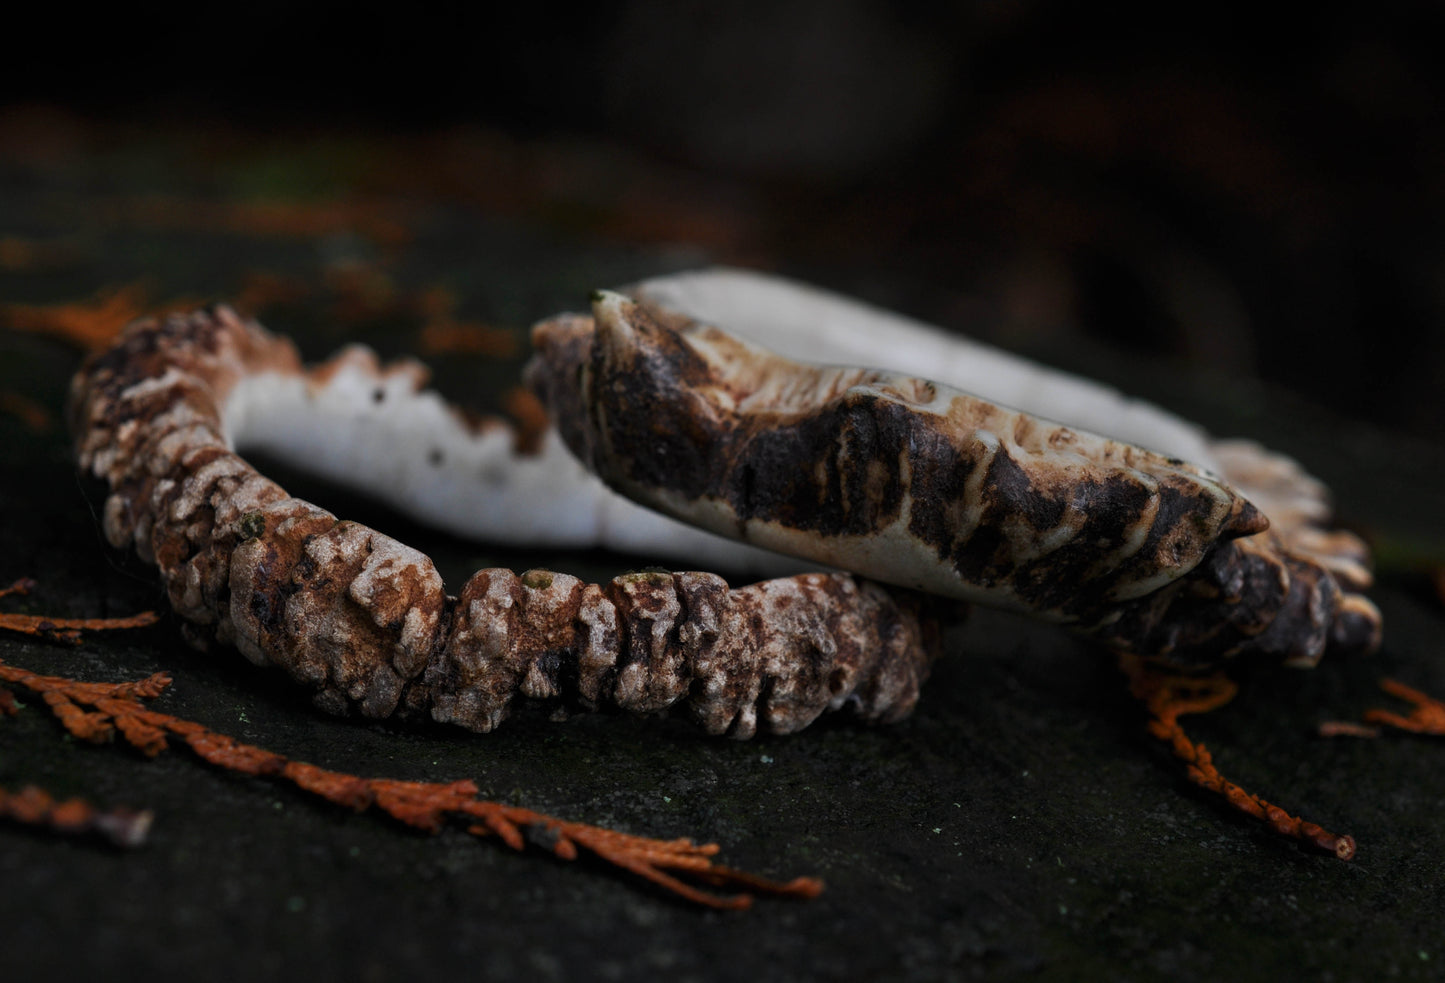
(1259, 196)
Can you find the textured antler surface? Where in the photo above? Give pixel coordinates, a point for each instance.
(365, 621)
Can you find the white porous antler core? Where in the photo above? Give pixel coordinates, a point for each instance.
(376, 429)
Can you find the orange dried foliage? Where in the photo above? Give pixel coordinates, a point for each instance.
(90, 324)
(1346, 728)
(64, 629)
(1427, 714)
(26, 410)
(529, 418)
(446, 336)
(33, 806)
(1167, 697)
(352, 291)
(99, 712)
(361, 290)
(22, 255)
(269, 218)
(16, 253)
(261, 289)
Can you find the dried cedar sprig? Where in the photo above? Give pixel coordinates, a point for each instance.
(1426, 716)
(88, 324)
(22, 586)
(31, 414)
(1167, 697)
(63, 629)
(34, 806)
(97, 712)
